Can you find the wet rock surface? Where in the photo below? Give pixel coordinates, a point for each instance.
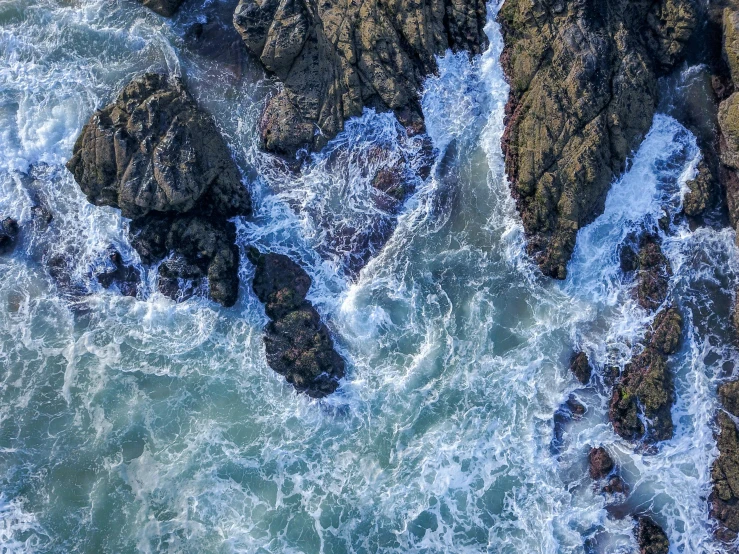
(159, 159)
(8, 233)
(724, 499)
(167, 8)
(653, 274)
(581, 368)
(600, 463)
(297, 343)
(335, 59)
(701, 190)
(583, 79)
(650, 537)
(645, 390)
(117, 274)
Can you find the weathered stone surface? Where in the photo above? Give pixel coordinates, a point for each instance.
(701, 190)
(117, 274)
(728, 394)
(724, 500)
(650, 537)
(297, 343)
(654, 274)
(159, 159)
(8, 233)
(600, 463)
(153, 150)
(646, 388)
(580, 367)
(167, 8)
(336, 58)
(665, 332)
(583, 94)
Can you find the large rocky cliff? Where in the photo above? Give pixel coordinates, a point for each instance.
(583, 78)
(335, 58)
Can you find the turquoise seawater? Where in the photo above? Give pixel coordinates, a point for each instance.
(141, 425)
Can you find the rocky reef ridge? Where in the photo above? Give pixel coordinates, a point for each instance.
(334, 59)
(583, 79)
(158, 158)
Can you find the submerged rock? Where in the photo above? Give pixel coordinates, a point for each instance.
(119, 275)
(167, 8)
(583, 79)
(297, 343)
(334, 59)
(8, 233)
(159, 159)
(580, 367)
(650, 537)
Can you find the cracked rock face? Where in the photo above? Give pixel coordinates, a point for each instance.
(583, 79)
(335, 58)
(297, 342)
(158, 158)
(153, 150)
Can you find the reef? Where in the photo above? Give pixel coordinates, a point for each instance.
(335, 59)
(297, 343)
(158, 158)
(583, 79)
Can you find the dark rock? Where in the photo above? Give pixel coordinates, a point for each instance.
(650, 537)
(646, 388)
(60, 267)
(600, 463)
(297, 343)
(576, 407)
(654, 274)
(583, 79)
(157, 157)
(628, 258)
(724, 499)
(154, 150)
(119, 275)
(701, 192)
(334, 59)
(666, 331)
(41, 217)
(167, 8)
(8, 233)
(616, 485)
(580, 367)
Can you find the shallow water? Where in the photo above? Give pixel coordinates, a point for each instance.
(143, 425)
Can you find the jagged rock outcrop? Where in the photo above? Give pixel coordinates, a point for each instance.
(583, 79)
(297, 343)
(581, 368)
(158, 158)
(700, 193)
(600, 463)
(334, 59)
(653, 274)
(650, 537)
(8, 233)
(117, 274)
(724, 499)
(646, 389)
(167, 8)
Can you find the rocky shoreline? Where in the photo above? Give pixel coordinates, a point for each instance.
(584, 90)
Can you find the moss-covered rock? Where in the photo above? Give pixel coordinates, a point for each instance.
(650, 537)
(583, 81)
(724, 500)
(701, 191)
(654, 274)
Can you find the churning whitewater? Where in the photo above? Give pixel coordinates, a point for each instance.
(144, 425)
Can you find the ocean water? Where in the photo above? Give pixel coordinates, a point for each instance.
(141, 425)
